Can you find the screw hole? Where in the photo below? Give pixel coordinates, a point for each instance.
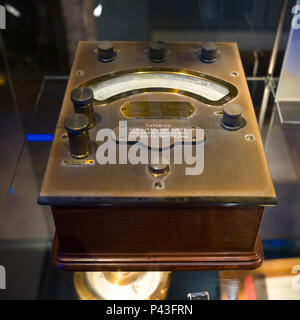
(218, 113)
(80, 73)
(158, 185)
(249, 137)
(64, 137)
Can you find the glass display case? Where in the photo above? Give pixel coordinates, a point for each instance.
(27, 229)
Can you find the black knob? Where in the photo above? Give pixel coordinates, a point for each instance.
(79, 142)
(83, 98)
(157, 51)
(208, 52)
(106, 51)
(232, 116)
(159, 170)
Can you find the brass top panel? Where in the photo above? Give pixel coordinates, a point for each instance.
(235, 168)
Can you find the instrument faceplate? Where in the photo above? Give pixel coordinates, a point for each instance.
(235, 169)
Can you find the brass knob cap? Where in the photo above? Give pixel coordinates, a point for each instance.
(79, 142)
(232, 116)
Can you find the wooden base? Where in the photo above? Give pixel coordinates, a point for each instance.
(144, 262)
(157, 239)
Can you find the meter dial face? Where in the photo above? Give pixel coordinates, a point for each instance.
(205, 88)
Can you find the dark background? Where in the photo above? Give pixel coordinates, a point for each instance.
(42, 39)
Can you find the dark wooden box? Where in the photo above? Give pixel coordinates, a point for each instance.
(110, 217)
